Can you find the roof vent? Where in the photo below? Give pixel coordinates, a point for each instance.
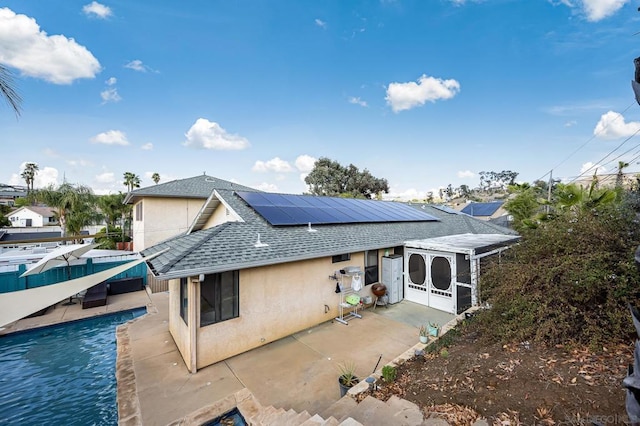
(310, 229)
(260, 243)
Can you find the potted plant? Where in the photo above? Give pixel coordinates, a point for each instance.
(347, 378)
(434, 329)
(424, 334)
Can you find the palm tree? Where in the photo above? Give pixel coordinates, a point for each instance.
(620, 175)
(29, 174)
(155, 177)
(8, 91)
(131, 180)
(73, 205)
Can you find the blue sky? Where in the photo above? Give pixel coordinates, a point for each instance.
(422, 93)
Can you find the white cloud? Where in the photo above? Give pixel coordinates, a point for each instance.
(613, 126)
(111, 81)
(465, 174)
(206, 134)
(147, 146)
(97, 10)
(111, 137)
(590, 167)
(273, 165)
(322, 24)
(570, 123)
(110, 95)
(597, 10)
(56, 59)
(106, 177)
(267, 187)
(403, 96)
(305, 163)
(406, 195)
(357, 101)
(137, 65)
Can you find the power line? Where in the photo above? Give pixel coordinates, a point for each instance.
(596, 134)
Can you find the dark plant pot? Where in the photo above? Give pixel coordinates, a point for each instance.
(344, 389)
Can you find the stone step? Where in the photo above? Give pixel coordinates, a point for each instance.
(373, 412)
(350, 422)
(301, 418)
(331, 421)
(341, 408)
(406, 412)
(314, 420)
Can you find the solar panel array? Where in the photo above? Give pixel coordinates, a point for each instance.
(482, 209)
(286, 209)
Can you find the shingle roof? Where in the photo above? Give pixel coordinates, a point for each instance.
(482, 209)
(41, 210)
(194, 187)
(230, 245)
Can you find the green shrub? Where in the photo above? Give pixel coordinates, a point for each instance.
(569, 280)
(389, 373)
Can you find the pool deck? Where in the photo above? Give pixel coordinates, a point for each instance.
(298, 371)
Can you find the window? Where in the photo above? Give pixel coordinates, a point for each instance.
(417, 269)
(341, 258)
(139, 211)
(184, 301)
(463, 269)
(441, 273)
(219, 298)
(370, 267)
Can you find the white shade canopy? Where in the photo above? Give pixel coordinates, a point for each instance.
(59, 257)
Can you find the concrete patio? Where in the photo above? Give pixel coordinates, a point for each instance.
(297, 372)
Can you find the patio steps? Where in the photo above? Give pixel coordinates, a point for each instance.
(271, 416)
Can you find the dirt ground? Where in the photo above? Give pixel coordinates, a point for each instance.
(526, 384)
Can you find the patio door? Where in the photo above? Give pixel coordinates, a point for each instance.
(441, 282)
(416, 284)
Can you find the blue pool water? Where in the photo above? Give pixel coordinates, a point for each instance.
(63, 374)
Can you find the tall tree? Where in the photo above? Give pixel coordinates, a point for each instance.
(131, 180)
(620, 175)
(29, 174)
(73, 206)
(113, 208)
(155, 178)
(8, 90)
(330, 178)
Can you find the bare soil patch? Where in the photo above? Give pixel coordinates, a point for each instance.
(461, 378)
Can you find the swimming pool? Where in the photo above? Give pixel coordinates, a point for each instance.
(62, 374)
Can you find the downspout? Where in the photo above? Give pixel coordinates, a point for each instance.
(193, 324)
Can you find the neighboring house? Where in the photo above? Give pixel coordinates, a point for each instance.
(9, 194)
(168, 209)
(251, 269)
(485, 211)
(32, 216)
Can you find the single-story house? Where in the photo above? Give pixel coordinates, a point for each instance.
(32, 216)
(254, 267)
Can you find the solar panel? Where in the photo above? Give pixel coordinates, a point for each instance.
(482, 209)
(287, 209)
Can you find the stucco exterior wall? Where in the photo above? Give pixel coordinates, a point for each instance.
(177, 327)
(221, 215)
(163, 218)
(20, 218)
(276, 301)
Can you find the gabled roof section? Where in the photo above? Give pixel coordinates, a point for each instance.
(482, 209)
(41, 210)
(212, 203)
(195, 187)
(231, 245)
